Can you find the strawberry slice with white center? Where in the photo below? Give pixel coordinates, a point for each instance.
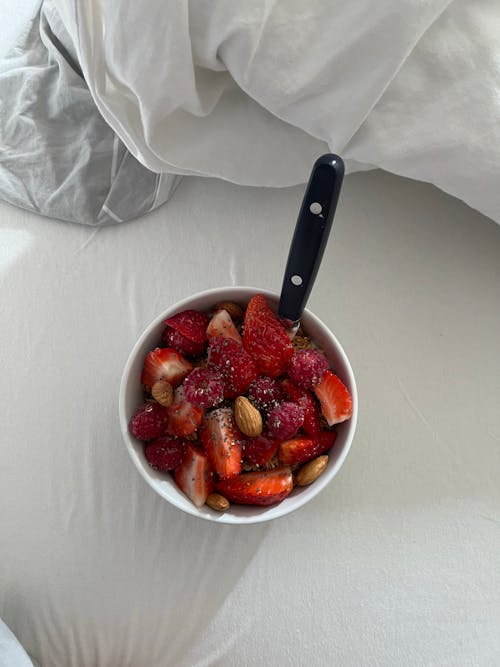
(194, 475)
(334, 398)
(183, 418)
(258, 488)
(222, 441)
(164, 363)
(222, 325)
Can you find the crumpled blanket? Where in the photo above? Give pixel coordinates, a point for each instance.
(252, 92)
(58, 156)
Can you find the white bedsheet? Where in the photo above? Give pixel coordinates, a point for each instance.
(254, 91)
(396, 563)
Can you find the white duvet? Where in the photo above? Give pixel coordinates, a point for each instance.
(253, 91)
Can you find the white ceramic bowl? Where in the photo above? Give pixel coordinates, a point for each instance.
(131, 397)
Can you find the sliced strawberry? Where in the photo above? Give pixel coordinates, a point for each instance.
(149, 421)
(234, 364)
(164, 363)
(183, 417)
(334, 398)
(265, 338)
(164, 453)
(194, 475)
(182, 344)
(191, 324)
(300, 450)
(297, 450)
(325, 439)
(258, 488)
(260, 450)
(307, 402)
(222, 325)
(222, 441)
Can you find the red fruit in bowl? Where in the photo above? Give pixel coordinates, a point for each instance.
(164, 453)
(191, 324)
(307, 367)
(182, 344)
(204, 387)
(300, 450)
(285, 420)
(222, 325)
(325, 439)
(265, 393)
(222, 441)
(164, 363)
(183, 418)
(149, 421)
(194, 475)
(334, 398)
(258, 488)
(312, 414)
(265, 338)
(260, 449)
(186, 332)
(234, 364)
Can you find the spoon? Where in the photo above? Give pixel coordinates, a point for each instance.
(310, 237)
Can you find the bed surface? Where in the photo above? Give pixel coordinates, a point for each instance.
(396, 562)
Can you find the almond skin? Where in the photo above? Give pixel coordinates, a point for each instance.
(163, 393)
(217, 502)
(247, 417)
(311, 470)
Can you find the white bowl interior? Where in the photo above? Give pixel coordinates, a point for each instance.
(131, 397)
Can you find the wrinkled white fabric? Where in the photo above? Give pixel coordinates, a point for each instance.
(395, 564)
(253, 91)
(58, 156)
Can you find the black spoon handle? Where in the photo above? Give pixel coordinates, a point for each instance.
(311, 234)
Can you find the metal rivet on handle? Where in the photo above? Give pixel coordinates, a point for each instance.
(315, 208)
(296, 280)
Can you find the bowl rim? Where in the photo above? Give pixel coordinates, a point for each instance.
(222, 517)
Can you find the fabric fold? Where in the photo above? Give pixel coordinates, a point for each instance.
(251, 93)
(58, 156)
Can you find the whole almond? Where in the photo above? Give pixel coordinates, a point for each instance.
(235, 310)
(310, 471)
(217, 502)
(163, 393)
(247, 417)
